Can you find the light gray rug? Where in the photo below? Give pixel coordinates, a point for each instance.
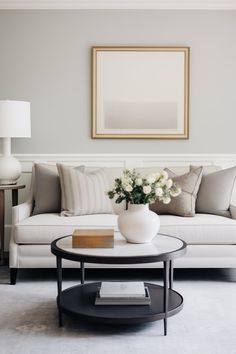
(206, 325)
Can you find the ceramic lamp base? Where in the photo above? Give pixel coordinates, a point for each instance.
(10, 170)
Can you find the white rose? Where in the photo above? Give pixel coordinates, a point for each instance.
(151, 178)
(138, 181)
(158, 192)
(157, 175)
(161, 182)
(125, 181)
(164, 175)
(169, 183)
(179, 191)
(128, 188)
(166, 200)
(147, 189)
(175, 193)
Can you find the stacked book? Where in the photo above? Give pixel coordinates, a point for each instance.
(123, 293)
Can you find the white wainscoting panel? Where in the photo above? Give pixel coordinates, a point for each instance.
(128, 160)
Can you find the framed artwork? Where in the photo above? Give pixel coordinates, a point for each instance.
(140, 92)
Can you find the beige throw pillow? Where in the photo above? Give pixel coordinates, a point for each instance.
(232, 209)
(184, 204)
(47, 190)
(83, 193)
(215, 192)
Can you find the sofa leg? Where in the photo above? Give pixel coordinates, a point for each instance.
(13, 275)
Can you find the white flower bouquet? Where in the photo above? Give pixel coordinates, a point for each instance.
(135, 189)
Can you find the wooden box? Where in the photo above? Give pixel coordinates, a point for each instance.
(93, 238)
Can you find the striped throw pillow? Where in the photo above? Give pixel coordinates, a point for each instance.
(83, 193)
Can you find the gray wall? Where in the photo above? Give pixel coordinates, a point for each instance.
(46, 58)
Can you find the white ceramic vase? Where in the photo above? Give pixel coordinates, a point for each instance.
(138, 224)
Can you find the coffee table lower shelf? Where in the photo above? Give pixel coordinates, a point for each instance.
(79, 301)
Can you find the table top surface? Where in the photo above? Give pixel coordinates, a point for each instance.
(162, 248)
(11, 186)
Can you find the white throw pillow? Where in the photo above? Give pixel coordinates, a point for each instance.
(83, 193)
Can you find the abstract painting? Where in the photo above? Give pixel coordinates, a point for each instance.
(140, 92)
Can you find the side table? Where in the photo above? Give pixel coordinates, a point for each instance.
(14, 188)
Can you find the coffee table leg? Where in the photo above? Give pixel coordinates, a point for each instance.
(59, 290)
(166, 293)
(82, 272)
(171, 275)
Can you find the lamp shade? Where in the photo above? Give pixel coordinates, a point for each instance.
(15, 119)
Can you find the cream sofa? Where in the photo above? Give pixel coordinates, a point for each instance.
(211, 239)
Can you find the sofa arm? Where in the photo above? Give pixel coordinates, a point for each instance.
(21, 212)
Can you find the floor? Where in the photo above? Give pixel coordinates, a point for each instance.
(206, 325)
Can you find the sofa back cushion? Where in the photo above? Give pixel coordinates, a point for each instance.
(233, 196)
(115, 172)
(232, 209)
(47, 190)
(215, 193)
(83, 193)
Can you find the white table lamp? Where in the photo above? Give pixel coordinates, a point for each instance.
(14, 122)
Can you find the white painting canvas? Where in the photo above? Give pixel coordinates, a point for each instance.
(140, 92)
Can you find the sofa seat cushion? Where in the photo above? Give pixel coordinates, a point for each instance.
(44, 228)
(201, 229)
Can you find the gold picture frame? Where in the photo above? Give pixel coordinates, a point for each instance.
(140, 92)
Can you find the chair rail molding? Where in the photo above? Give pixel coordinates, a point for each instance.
(119, 4)
(127, 160)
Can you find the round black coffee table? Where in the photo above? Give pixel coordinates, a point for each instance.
(79, 301)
